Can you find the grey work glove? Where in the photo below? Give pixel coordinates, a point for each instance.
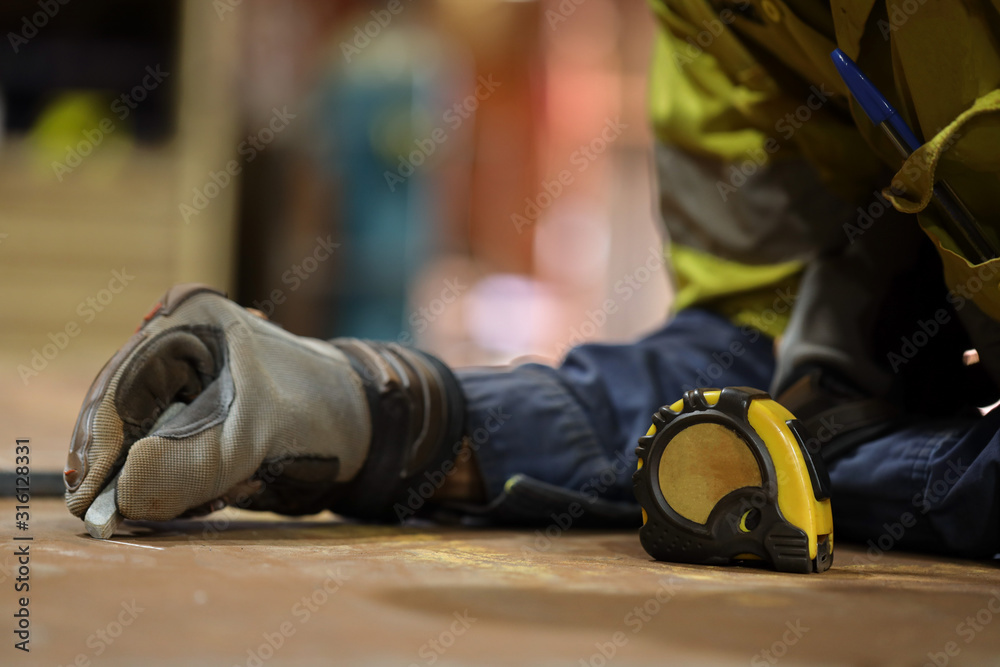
(266, 419)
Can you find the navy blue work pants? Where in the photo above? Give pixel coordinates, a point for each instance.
(931, 485)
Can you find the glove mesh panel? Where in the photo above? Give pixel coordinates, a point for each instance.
(290, 397)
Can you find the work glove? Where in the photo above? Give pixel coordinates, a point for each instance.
(210, 404)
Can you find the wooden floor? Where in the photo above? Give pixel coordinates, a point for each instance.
(239, 588)
(225, 590)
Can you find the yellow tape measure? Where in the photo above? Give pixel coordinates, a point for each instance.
(725, 476)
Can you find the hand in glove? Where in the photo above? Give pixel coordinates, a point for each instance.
(261, 418)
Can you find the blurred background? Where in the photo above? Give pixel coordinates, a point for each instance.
(469, 176)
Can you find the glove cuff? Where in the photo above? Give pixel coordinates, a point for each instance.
(417, 415)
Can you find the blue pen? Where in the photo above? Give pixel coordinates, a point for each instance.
(882, 114)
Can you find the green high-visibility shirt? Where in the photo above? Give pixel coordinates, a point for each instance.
(751, 82)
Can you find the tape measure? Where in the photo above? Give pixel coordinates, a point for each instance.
(725, 476)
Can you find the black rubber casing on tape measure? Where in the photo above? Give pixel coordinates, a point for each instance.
(746, 523)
